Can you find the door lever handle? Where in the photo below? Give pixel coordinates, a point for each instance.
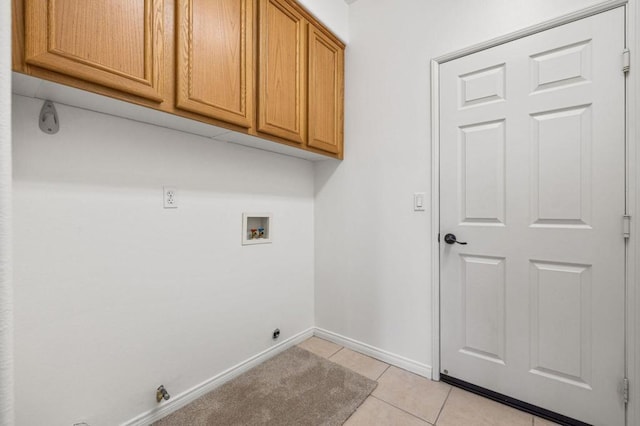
(451, 239)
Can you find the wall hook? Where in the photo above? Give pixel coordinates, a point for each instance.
(48, 120)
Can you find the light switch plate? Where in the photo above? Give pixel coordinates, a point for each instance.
(419, 201)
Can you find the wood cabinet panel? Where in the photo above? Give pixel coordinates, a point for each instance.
(264, 68)
(282, 71)
(215, 59)
(116, 43)
(17, 36)
(326, 92)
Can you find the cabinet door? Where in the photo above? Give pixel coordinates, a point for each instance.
(282, 71)
(326, 92)
(215, 59)
(114, 43)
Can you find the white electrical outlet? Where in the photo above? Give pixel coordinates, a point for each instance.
(170, 197)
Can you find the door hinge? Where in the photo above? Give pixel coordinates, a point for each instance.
(626, 60)
(626, 226)
(625, 390)
(438, 237)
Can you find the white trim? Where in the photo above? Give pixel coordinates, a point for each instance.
(435, 219)
(543, 26)
(632, 8)
(377, 353)
(190, 395)
(633, 208)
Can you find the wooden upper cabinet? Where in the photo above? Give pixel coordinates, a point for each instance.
(282, 71)
(326, 92)
(215, 59)
(265, 68)
(114, 43)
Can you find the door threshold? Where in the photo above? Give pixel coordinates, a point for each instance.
(512, 402)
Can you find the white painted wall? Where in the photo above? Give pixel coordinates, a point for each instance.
(116, 295)
(333, 13)
(6, 281)
(372, 251)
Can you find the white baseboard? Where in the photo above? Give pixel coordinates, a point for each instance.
(416, 367)
(190, 395)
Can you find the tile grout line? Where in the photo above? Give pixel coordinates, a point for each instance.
(383, 371)
(325, 357)
(401, 409)
(443, 404)
(335, 353)
(387, 366)
(371, 395)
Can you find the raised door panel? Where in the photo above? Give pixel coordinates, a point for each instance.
(483, 309)
(482, 168)
(215, 59)
(561, 322)
(562, 168)
(282, 71)
(114, 43)
(326, 82)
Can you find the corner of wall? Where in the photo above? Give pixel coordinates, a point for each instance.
(333, 13)
(6, 277)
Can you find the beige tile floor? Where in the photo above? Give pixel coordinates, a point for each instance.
(403, 398)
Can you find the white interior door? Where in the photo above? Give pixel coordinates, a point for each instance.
(532, 177)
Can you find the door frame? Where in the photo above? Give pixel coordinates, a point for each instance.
(632, 180)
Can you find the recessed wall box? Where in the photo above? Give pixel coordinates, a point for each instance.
(257, 228)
